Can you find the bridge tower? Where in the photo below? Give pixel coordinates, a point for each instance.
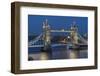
(74, 34)
(74, 41)
(46, 36)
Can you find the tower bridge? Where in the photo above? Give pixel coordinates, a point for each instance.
(45, 37)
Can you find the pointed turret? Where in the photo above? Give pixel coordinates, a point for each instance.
(43, 25)
(46, 22)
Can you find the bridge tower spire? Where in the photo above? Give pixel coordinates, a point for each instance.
(46, 35)
(74, 34)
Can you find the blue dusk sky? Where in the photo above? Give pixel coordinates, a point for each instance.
(56, 22)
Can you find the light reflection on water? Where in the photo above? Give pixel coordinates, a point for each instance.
(56, 53)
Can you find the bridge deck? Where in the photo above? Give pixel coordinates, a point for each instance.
(54, 45)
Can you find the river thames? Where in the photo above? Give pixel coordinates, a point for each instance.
(60, 52)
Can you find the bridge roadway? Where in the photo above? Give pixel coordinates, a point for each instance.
(54, 45)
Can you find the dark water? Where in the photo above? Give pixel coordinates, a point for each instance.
(60, 52)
